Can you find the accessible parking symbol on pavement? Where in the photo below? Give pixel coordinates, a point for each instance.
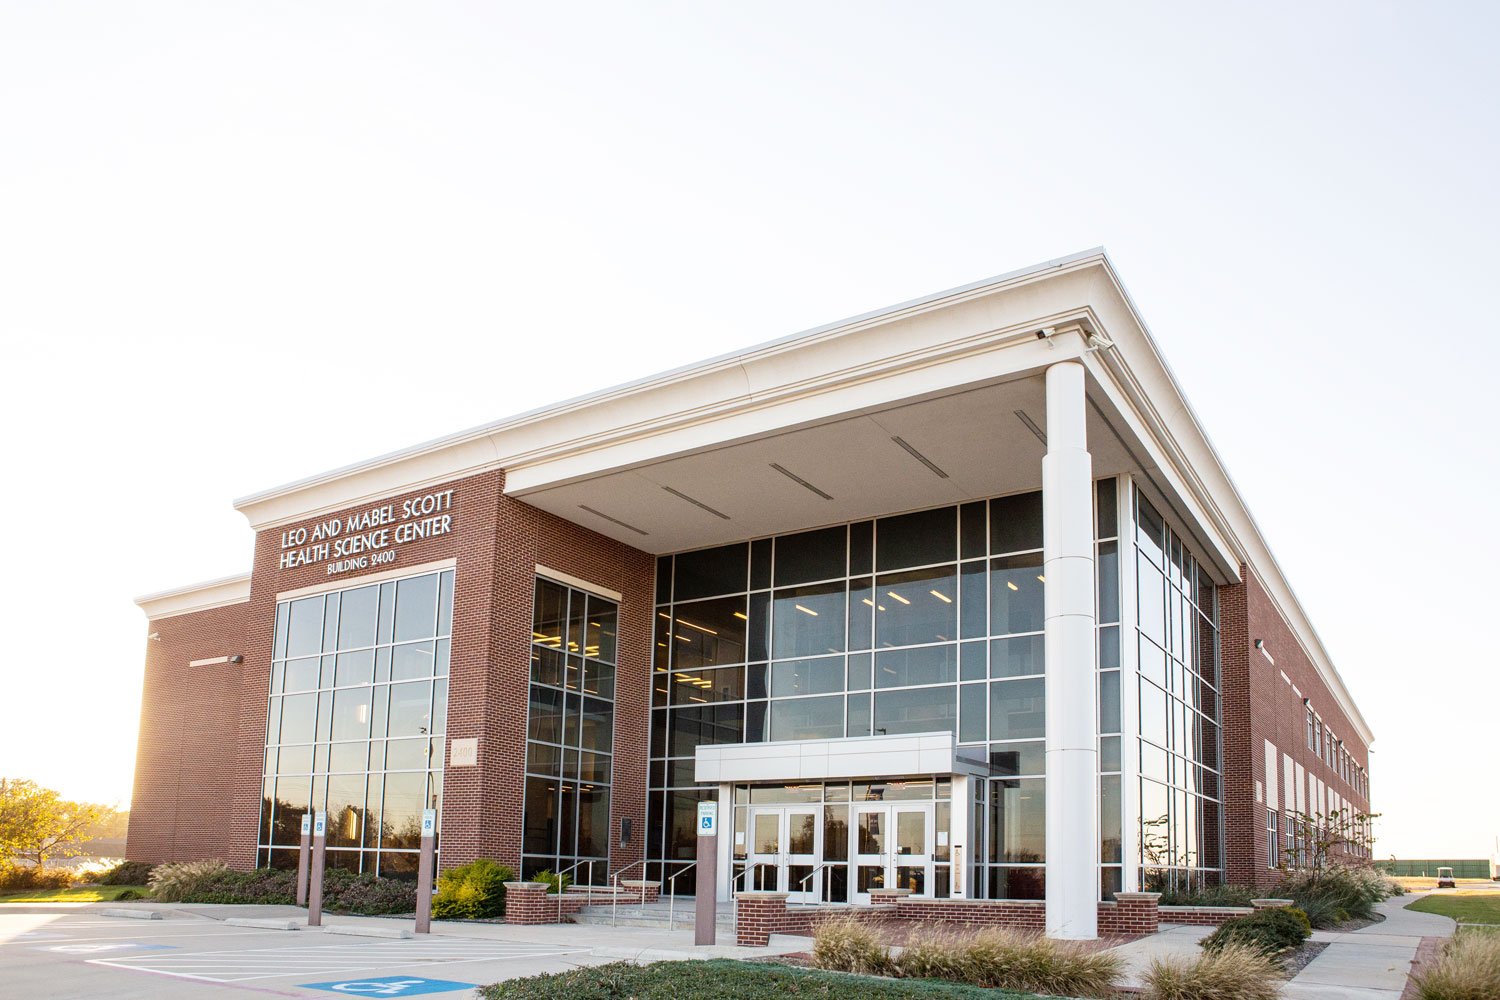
(389, 986)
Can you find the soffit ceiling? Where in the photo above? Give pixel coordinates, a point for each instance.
(973, 436)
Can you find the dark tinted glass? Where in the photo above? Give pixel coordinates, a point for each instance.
(1016, 523)
(758, 630)
(811, 555)
(709, 633)
(709, 572)
(808, 718)
(1017, 656)
(973, 726)
(1016, 594)
(917, 606)
(928, 536)
(1108, 569)
(861, 547)
(1018, 820)
(1108, 517)
(760, 564)
(1018, 710)
(822, 675)
(973, 536)
(663, 579)
(808, 621)
(1019, 758)
(919, 665)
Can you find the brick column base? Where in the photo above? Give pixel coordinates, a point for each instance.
(647, 892)
(527, 903)
(758, 915)
(1136, 912)
(888, 897)
(1270, 904)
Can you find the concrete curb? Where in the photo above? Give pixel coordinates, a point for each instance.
(132, 914)
(397, 933)
(267, 923)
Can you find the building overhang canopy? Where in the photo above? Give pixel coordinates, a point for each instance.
(919, 754)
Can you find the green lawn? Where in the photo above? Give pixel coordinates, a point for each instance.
(723, 979)
(92, 894)
(1465, 907)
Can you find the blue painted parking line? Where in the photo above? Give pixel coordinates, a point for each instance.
(389, 986)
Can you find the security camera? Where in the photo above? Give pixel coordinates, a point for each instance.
(1098, 343)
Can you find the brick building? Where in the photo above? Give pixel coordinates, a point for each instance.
(954, 596)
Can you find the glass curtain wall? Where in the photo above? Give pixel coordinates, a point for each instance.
(356, 714)
(1178, 642)
(924, 622)
(570, 733)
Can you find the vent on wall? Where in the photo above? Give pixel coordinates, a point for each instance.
(914, 453)
(696, 503)
(1031, 426)
(800, 481)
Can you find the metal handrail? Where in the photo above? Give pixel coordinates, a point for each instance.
(802, 886)
(672, 893)
(734, 899)
(562, 889)
(614, 904)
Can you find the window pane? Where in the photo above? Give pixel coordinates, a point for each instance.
(603, 628)
(355, 668)
(916, 607)
(1018, 820)
(539, 834)
(401, 818)
(708, 633)
(411, 661)
(597, 732)
(411, 709)
(710, 572)
(811, 555)
(1017, 709)
(807, 719)
(973, 724)
(351, 714)
(1016, 594)
(357, 617)
(1016, 759)
(1108, 523)
(808, 621)
(1017, 656)
(921, 710)
(416, 607)
(1016, 523)
(346, 810)
(922, 665)
(549, 618)
(928, 536)
(305, 630)
(790, 678)
(298, 715)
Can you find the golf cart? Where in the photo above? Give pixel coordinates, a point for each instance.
(1445, 879)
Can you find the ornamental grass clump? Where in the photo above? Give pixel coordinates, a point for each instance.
(1030, 963)
(846, 945)
(1336, 893)
(1234, 972)
(176, 881)
(1467, 969)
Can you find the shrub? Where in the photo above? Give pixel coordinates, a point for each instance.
(1231, 973)
(843, 944)
(1015, 960)
(365, 893)
(26, 878)
(131, 894)
(471, 892)
(1468, 969)
(554, 882)
(125, 873)
(1334, 894)
(1269, 932)
(722, 980)
(174, 882)
(1210, 895)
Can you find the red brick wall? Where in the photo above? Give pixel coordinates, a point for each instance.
(184, 770)
(496, 543)
(1260, 705)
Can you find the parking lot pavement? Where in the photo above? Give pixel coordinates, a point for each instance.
(74, 952)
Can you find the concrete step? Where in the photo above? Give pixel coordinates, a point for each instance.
(651, 915)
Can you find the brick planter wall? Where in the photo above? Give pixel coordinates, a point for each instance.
(645, 892)
(1202, 916)
(757, 916)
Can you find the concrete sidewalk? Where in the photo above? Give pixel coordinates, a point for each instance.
(638, 944)
(1371, 963)
(1171, 941)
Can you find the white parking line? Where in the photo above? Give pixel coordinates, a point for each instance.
(327, 960)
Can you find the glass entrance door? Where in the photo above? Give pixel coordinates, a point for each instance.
(784, 851)
(892, 848)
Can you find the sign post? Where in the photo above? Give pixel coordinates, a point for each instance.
(315, 887)
(303, 850)
(705, 916)
(424, 871)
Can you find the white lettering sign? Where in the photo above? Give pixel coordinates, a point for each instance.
(368, 537)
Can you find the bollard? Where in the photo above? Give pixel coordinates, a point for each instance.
(424, 871)
(304, 848)
(315, 886)
(705, 917)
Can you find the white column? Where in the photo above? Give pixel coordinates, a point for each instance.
(958, 837)
(1071, 652)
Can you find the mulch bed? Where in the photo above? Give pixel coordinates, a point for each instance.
(1427, 954)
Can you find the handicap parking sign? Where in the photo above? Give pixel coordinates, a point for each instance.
(389, 986)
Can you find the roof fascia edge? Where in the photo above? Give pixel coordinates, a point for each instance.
(196, 597)
(257, 506)
(1256, 552)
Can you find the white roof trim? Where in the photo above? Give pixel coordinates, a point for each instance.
(196, 597)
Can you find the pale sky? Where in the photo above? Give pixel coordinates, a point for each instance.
(245, 243)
